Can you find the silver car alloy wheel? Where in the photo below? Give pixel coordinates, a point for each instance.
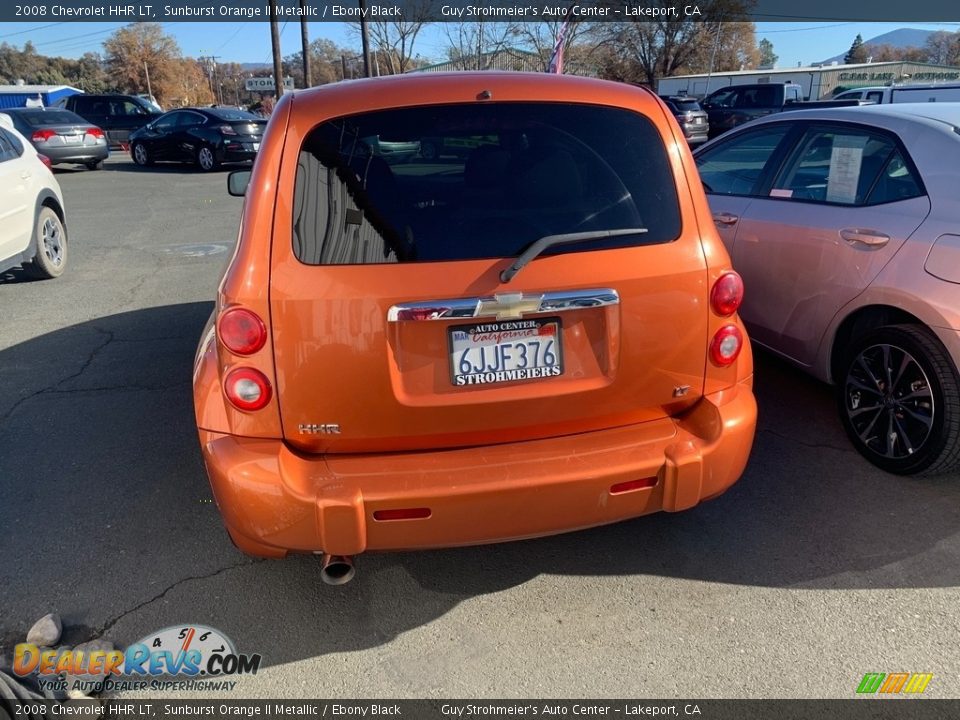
(205, 158)
(889, 401)
(52, 239)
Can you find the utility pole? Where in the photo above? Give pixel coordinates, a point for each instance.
(364, 38)
(305, 41)
(275, 40)
(146, 71)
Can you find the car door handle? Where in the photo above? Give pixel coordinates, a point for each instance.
(864, 237)
(725, 218)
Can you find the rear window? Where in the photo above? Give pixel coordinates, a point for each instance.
(686, 105)
(234, 115)
(462, 182)
(52, 117)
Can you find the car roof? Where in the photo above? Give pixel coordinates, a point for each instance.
(36, 110)
(413, 89)
(883, 115)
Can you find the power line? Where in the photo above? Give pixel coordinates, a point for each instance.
(230, 39)
(33, 29)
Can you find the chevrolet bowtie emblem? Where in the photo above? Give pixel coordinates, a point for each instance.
(508, 306)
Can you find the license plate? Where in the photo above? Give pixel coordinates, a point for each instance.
(698, 121)
(497, 352)
(71, 139)
(256, 147)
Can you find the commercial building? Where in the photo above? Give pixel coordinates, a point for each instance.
(12, 96)
(818, 81)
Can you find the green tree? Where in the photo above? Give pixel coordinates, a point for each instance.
(857, 52)
(767, 56)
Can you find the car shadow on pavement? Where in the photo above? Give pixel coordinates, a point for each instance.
(109, 514)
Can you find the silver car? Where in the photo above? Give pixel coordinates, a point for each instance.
(845, 226)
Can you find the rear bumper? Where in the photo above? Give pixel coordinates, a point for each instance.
(275, 500)
(76, 154)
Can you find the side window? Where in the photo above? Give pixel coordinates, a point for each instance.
(793, 93)
(129, 108)
(6, 149)
(837, 165)
(16, 147)
(875, 96)
(896, 182)
(83, 105)
(735, 167)
(189, 119)
(167, 122)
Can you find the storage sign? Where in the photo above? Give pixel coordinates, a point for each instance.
(266, 84)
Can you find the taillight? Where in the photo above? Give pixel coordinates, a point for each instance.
(95, 132)
(727, 294)
(726, 345)
(45, 160)
(227, 130)
(242, 331)
(43, 135)
(247, 388)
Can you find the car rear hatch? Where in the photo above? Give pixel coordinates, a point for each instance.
(243, 128)
(396, 324)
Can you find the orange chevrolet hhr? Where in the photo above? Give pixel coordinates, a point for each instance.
(530, 328)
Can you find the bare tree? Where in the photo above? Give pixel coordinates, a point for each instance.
(644, 51)
(474, 45)
(943, 48)
(393, 41)
(541, 38)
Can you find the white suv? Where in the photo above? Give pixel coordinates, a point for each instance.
(33, 230)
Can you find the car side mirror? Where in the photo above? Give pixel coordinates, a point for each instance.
(237, 182)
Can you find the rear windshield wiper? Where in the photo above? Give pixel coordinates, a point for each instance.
(549, 241)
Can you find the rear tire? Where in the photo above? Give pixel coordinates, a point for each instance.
(206, 158)
(51, 242)
(140, 154)
(95, 165)
(898, 393)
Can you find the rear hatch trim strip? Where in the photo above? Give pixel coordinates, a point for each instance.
(503, 306)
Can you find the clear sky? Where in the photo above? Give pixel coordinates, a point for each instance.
(794, 43)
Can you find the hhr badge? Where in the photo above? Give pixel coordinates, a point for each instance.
(326, 429)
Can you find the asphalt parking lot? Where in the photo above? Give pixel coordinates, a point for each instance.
(813, 570)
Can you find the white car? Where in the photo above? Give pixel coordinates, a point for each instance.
(33, 231)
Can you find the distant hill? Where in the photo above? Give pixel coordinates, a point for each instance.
(902, 38)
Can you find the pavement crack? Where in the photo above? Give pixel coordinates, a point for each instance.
(113, 621)
(815, 446)
(55, 386)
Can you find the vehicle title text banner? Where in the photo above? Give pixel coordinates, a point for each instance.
(510, 11)
(158, 709)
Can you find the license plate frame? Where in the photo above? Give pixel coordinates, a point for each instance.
(256, 147)
(530, 333)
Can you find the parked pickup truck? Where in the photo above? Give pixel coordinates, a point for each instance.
(116, 115)
(731, 106)
(941, 92)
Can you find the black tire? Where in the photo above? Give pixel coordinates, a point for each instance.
(428, 150)
(206, 158)
(94, 165)
(51, 242)
(898, 393)
(140, 154)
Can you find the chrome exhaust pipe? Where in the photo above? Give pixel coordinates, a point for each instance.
(337, 569)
